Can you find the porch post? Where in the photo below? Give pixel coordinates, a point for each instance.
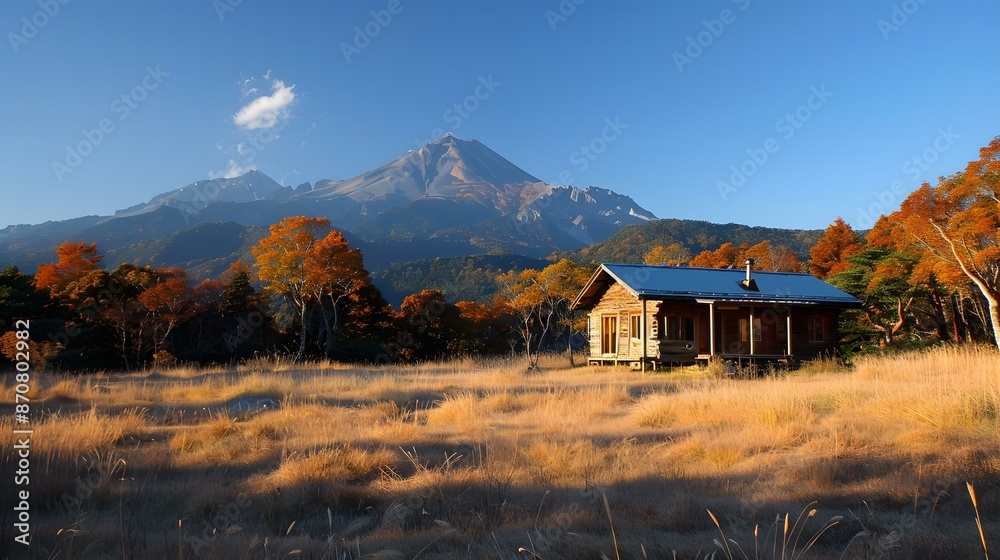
(788, 330)
(751, 331)
(711, 329)
(642, 321)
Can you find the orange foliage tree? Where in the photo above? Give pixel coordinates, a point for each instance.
(75, 260)
(723, 257)
(541, 299)
(829, 255)
(766, 257)
(957, 227)
(333, 272)
(675, 254)
(280, 261)
(434, 326)
(168, 302)
(487, 328)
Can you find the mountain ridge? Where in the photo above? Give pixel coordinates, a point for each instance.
(451, 198)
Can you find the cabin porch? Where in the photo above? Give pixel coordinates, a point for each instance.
(679, 333)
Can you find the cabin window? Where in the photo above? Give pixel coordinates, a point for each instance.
(758, 329)
(609, 334)
(635, 326)
(817, 329)
(680, 328)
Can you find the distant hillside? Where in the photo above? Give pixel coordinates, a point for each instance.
(203, 250)
(632, 242)
(459, 278)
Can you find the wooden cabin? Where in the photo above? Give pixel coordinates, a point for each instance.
(652, 315)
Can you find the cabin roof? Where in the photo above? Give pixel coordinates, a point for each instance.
(711, 285)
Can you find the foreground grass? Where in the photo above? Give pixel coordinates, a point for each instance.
(470, 459)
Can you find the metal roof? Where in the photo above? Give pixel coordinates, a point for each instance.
(712, 284)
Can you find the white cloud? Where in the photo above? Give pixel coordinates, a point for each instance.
(265, 111)
(233, 171)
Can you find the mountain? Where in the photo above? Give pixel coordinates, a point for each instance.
(449, 216)
(248, 187)
(452, 197)
(446, 169)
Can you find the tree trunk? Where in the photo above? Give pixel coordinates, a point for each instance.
(545, 332)
(331, 327)
(986, 288)
(301, 356)
(938, 307)
(994, 317)
(900, 316)
(527, 342)
(569, 343)
(958, 319)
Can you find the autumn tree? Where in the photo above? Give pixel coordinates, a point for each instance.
(141, 305)
(829, 255)
(280, 261)
(168, 302)
(314, 268)
(542, 299)
(433, 325)
(486, 329)
(675, 254)
(771, 258)
(723, 257)
(75, 260)
(333, 271)
(765, 257)
(957, 224)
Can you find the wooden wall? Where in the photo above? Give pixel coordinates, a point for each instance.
(618, 302)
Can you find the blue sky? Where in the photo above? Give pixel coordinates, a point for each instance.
(784, 113)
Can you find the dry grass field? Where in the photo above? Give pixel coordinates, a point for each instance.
(471, 459)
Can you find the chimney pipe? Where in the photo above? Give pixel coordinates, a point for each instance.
(749, 283)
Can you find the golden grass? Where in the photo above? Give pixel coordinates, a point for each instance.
(472, 447)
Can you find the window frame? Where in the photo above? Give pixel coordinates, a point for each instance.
(817, 323)
(680, 327)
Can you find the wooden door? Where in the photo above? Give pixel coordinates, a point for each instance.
(609, 334)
